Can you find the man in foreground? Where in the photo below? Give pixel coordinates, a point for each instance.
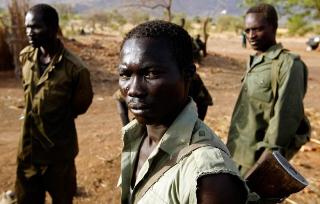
(169, 155)
(57, 89)
(269, 113)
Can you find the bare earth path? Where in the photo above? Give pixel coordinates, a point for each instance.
(99, 129)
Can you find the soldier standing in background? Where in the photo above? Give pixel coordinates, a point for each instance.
(57, 89)
(269, 113)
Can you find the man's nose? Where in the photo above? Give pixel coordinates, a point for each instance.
(136, 86)
(251, 34)
(29, 31)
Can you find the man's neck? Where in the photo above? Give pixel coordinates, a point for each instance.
(155, 133)
(50, 49)
(259, 52)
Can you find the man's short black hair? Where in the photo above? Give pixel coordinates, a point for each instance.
(268, 11)
(178, 39)
(48, 13)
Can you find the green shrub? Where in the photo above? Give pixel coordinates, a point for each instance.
(298, 25)
(229, 23)
(316, 29)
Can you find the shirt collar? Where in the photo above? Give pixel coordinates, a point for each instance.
(179, 133)
(132, 132)
(274, 51)
(33, 54)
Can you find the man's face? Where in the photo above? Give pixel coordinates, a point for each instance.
(260, 34)
(37, 31)
(151, 81)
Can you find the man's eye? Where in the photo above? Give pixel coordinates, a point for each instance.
(259, 29)
(124, 76)
(151, 75)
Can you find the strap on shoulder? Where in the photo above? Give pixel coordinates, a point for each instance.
(166, 166)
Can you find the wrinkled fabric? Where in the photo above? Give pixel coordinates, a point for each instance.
(261, 121)
(52, 102)
(179, 183)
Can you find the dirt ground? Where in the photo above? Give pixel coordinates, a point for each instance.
(99, 129)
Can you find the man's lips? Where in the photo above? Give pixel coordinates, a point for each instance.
(31, 40)
(138, 106)
(253, 43)
(139, 110)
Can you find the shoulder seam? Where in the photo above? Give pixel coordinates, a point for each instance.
(69, 56)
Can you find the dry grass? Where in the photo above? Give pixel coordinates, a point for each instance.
(16, 36)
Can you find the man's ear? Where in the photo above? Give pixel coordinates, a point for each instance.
(189, 71)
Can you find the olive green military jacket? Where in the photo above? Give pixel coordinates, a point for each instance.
(260, 120)
(52, 102)
(178, 184)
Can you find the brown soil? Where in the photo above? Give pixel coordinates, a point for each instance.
(99, 129)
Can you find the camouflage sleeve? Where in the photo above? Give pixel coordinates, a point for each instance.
(23, 55)
(83, 93)
(288, 109)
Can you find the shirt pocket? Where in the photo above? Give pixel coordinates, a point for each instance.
(259, 85)
(56, 96)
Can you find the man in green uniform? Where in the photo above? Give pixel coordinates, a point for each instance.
(169, 155)
(269, 112)
(57, 89)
